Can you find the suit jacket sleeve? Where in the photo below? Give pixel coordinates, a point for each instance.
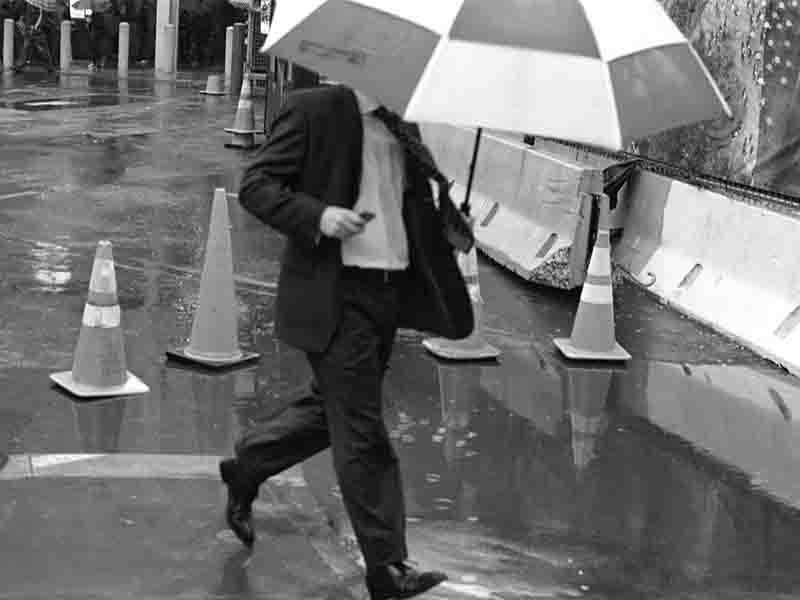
(269, 185)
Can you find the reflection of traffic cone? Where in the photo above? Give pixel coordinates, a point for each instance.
(474, 347)
(214, 331)
(586, 393)
(215, 86)
(99, 424)
(244, 124)
(98, 367)
(593, 329)
(458, 388)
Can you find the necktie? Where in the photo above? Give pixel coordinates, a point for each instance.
(415, 150)
(457, 229)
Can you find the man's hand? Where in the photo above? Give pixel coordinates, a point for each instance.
(341, 223)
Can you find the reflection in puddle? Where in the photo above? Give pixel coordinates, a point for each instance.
(652, 478)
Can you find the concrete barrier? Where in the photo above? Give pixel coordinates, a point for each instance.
(531, 213)
(723, 262)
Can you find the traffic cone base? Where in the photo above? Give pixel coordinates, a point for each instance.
(132, 385)
(471, 348)
(98, 365)
(214, 362)
(213, 343)
(215, 86)
(570, 350)
(241, 131)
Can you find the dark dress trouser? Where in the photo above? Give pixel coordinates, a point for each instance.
(344, 411)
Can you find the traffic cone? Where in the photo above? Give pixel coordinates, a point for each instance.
(593, 330)
(244, 124)
(214, 331)
(474, 347)
(215, 86)
(586, 394)
(98, 367)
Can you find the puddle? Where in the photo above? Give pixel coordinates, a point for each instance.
(44, 104)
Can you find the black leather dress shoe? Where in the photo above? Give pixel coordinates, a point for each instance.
(238, 511)
(400, 581)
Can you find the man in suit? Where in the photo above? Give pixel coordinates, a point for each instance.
(365, 255)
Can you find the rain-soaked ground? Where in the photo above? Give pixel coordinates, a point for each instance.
(676, 476)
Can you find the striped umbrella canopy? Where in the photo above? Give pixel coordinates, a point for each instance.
(601, 72)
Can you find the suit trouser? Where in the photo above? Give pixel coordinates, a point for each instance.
(344, 411)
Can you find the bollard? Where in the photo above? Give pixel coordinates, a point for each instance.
(8, 44)
(165, 52)
(66, 46)
(124, 50)
(228, 56)
(237, 62)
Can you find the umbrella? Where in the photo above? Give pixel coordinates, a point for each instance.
(600, 72)
(93, 5)
(45, 5)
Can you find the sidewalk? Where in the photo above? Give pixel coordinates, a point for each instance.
(119, 526)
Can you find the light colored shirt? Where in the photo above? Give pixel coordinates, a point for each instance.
(383, 243)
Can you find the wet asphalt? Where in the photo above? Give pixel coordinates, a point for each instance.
(674, 476)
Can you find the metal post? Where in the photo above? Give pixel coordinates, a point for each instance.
(65, 60)
(237, 64)
(124, 50)
(8, 44)
(228, 57)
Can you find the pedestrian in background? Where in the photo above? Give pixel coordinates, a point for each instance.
(35, 40)
(365, 255)
(99, 23)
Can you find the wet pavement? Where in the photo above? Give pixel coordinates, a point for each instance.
(675, 476)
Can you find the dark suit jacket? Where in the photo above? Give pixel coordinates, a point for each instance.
(312, 159)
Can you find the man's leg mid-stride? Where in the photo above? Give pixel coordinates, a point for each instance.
(347, 414)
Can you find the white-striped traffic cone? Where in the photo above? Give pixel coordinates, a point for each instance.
(474, 347)
(98, 367)
(593, 335)
(244, 124)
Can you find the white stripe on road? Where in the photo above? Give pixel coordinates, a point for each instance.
(20, 194)
(127, 466)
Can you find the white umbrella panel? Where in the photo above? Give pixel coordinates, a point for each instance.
(600, 72)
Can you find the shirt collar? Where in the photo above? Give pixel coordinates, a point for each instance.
(366, 104)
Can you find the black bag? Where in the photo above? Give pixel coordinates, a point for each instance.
(455, 221)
